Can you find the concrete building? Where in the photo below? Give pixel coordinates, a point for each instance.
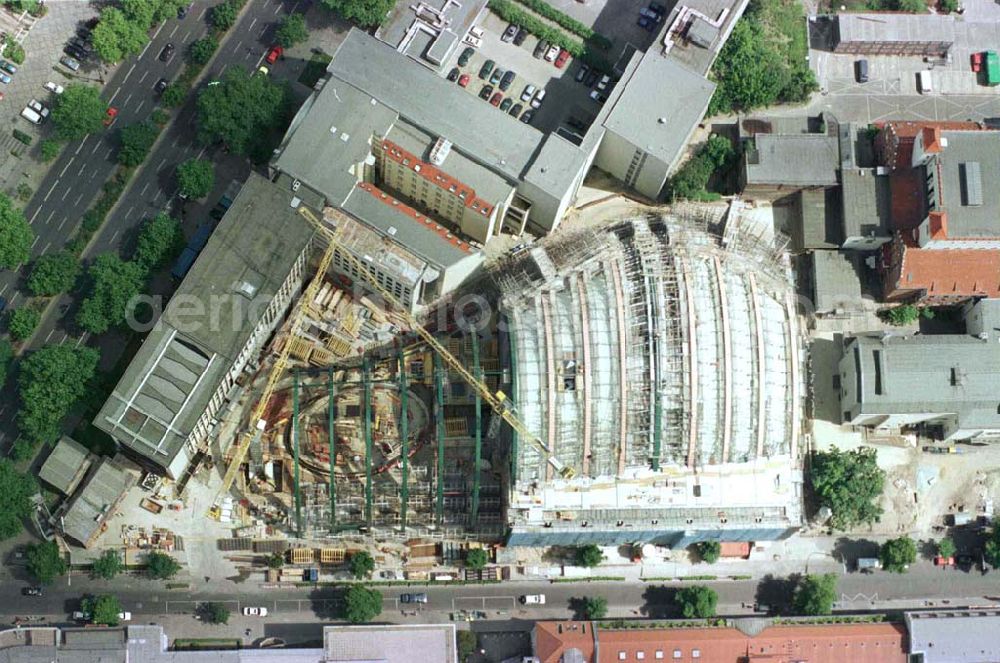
(165, 405)
(429, 31)
(66, 466)
(739, 641)
(945, 192)
(954, 636)
(149, 644)
(82, 518)
(891, 381)
(664, 365)
(894, 34)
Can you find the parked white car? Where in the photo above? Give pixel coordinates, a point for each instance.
(54, 87)
(473, 41)
(255, 611)
(552, 54)
(533, 599)
(37, 106)
(125, 616)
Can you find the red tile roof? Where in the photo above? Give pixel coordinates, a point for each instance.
(907, 198)
(739, 549)
(424, 220)
(896, 138)
(834, 643)
(951, 272)
(939, 225)
(932, 139)
(437, 177)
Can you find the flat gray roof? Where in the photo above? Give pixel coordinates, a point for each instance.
(369, 86)
(908, 28)
(837, 281)
(436, 43)
(210, 318)
(957, 636)
(946, 373)
(661, 104)
(390, 643)
(65, 466)
(95, 501)
(866, 203)
(820, 226)
(799, 159)
(969, 164)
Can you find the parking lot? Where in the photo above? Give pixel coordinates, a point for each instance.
(565, 99)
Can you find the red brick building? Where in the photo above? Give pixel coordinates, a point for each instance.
(570, 642)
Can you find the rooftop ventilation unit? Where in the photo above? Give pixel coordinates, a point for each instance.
(246, 289)
(440, 150)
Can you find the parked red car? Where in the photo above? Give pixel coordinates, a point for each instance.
(463, 80)
(110, 117)
(562, 58)
(496, 98)
(977, 62)
(273, 54)
(944, 561)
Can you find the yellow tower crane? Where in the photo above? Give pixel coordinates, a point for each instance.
(253, 436)
(498, 400)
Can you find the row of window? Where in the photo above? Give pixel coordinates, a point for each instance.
(402, 293)
(658, 654)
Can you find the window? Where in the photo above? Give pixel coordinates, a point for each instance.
(621, 656)
(677, 653)
(658, 655)
(695, 653)
(640, 655)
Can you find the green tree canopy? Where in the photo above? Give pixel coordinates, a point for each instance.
(991, 549)
(849, 483)
(361, 564)
(589, 556)
(709, 551)
(216, 613)
(6, 357)
(140, 12)
(749, 71)
(196, 178)
(161, 566)
(160, 240)
(697, 601)
(45, 561)
(113, 284)
(136, 141)
(476, 558)
(467, 643)
(224, 15)
(691, 179)
(53, 273)
(16, 234)
(201, 51)
(51, 381)
(242, 111)
(897, 554)
(366, 13)
(815, 594)
(174, 95)
(103, 609)
(291, 30)
(946, 548)
(116, 37)
(108, 565)
(79, 111)
(50, 149)
(595, 607)
(275, 560)
(16, 491)
(361, 604)
(23, 322)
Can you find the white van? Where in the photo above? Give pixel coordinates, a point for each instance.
(31, 116)
(924, 82)
(533, 599)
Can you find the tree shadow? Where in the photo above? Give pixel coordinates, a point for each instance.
(927, 548)
(326, 602)
(560, 555)
(849, 551)
(659, 602)
(774, 593)
(578, 606)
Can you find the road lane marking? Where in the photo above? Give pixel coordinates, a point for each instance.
(13, 298)
(65, 194)
(262, 33)
(46, 249)
(61, 224)
(186, 35)
(32, 219)
(78, 199)
(35, 242)
(145, 73)
(46, 221)
(174, 31)
(64, 339)
(4, 289)
(54, 185)
(112, 99)
(148, 44)
(82, 143)
(127, 99)
(157, 33)
(110, 150)
(83, 339)
(129, 212)
(277, 9)
(160, 167)
(51, 332)
(115, 235)
(68, 164)
(253, 23)
(202, 152)
(131, 69)
(96, 147)
(139, 107)
(202, 13)
(143, 192)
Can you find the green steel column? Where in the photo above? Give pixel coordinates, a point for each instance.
(439, 405)
(479, 429)
(296, 433)
(404, 434)
(513, 397)
(331, 426)
(367, 410)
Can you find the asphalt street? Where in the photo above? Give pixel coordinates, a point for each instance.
(858, 592)
(74, 181)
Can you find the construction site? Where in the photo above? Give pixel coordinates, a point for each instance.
(636, 383)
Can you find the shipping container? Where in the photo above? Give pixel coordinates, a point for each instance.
(992, 68)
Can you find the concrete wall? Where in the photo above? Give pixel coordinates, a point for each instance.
(671, 538)
(615, 156)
